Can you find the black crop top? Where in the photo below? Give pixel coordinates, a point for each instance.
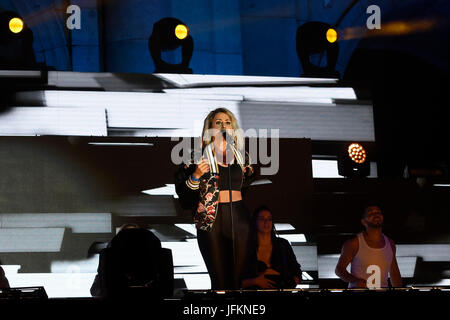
(236, 177)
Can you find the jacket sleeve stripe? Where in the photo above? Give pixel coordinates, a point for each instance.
(192, 184)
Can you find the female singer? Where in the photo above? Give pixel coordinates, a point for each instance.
(212, 189)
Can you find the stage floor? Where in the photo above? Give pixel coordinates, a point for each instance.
(260, 304)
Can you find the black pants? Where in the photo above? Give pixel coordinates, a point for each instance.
(216, 246)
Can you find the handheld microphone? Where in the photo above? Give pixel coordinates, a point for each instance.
(228, 138)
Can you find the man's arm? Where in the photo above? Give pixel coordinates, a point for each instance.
(349, 250)
(394, 273)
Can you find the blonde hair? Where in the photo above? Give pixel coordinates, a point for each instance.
(238, 136)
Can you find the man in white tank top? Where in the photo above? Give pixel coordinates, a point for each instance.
(371, 254)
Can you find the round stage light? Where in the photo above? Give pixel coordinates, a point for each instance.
(332, 35)
(357, 153)
(16, 25)
(181, 31)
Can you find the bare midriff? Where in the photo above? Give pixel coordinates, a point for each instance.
(224, 195)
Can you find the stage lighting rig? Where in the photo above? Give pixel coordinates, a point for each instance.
(353, 161)
(170, 34)
(318, 38)
(357, 153)
(16, 43)
(181, 31)
(18, 68)
(331, 35)
(16, 25)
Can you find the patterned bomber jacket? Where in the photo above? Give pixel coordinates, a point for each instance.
(202, 197)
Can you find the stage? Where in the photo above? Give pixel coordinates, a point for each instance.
(243, 304)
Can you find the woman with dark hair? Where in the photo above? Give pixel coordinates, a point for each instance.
(211, 188)
(271, 262)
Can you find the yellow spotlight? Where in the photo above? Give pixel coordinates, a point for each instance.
(181, 31)
(16, 25)
(332, 35)
(357, 153)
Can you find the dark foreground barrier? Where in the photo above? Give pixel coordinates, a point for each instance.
(263, 305)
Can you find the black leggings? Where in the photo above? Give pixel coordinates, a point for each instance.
(216, 246)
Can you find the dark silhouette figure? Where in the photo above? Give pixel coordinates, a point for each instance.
(134, 266)
(4, 283)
